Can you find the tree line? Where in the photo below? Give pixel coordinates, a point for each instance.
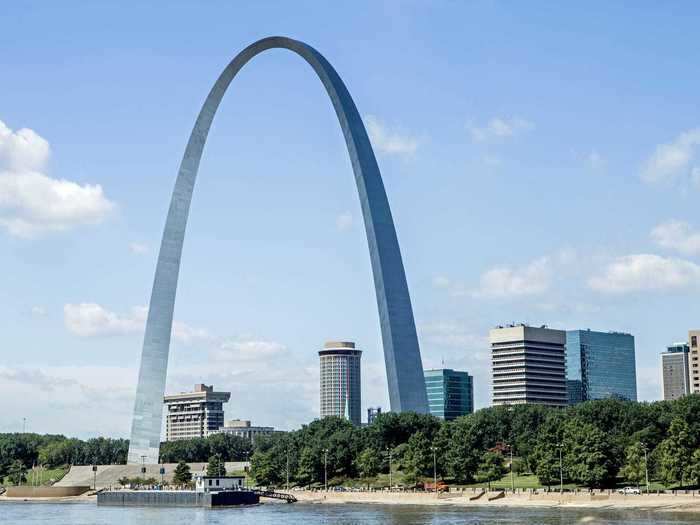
(592, 444)
(596, 443)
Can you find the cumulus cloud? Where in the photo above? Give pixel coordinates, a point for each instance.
(249, 350)
(344, 221)
(94, 320)
(677, 235)
(499, 128)
(138, 247)
(505, 281)
(31, 202)
(390, 141)
(645, 272)
(674, 161)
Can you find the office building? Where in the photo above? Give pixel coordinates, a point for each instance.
(675, 371)
(243, 428)
(528, 365)
(194, 414)
(450, 393)
(693, 361)
(341, 381)
(600, 365)
(372, 414)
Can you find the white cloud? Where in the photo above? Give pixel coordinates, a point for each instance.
(93, 320)
(674, 160)
(38, 311)
(249, 351)
(505, 281)
(640, 272)
(138, 247)
(677, 235)
(389, 141)
(499, 128)
(595, 160)
(31, 202)
(344, 221)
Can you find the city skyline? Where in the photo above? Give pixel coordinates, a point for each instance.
(530, 179)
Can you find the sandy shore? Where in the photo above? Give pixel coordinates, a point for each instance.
(661, 502)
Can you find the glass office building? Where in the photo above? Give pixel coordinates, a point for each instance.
(450, 393)
(600, 365)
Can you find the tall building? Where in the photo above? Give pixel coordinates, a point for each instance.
(194, 414)
(693, 336)
(243, 428)
(600, 365)
(450, 393)
(528, 365)
(341, 381)
(372, 414)
(675, 371)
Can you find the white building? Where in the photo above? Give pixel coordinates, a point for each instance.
(194, 414)
(528, 365)
(243, 428)
(218, 483)
(340, 379)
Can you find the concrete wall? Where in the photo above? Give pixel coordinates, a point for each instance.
(45, 492)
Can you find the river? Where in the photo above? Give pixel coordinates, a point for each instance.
(311, 514)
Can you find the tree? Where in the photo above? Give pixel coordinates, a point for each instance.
(673, 453)
(694, 467)
(588, 454)
(17, 472)
(491, 468)
(216, 467)
(634, 469)
(182, 475)
(418, 457)
(546, 462)
(368, 463)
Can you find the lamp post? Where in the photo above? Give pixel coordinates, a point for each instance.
(325, 469)
(512, 477)
(561, 469)
(388, 451)
(646, 465)
(434, 449)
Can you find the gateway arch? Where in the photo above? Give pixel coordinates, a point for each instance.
(404, 369)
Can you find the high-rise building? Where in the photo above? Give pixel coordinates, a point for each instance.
(372, 414)
(450, 393)
(600, 365)
(675, 371)
(528, 365)
(194, 414)
(693, 361)
(341, 381)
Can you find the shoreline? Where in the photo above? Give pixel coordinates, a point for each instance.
(656, 502)
(687, 503)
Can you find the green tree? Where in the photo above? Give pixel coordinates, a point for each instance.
(309, 466)
(588, 454)
(418, 457)
(368, 463)
(634, 469)
(673, 453)
(17, 472)
(490, 468)
(694, 467)
(182, 475)
(545, 459)
(216, 467)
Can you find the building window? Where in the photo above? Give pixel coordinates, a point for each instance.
(694, 341)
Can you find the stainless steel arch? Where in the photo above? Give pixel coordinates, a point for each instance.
(401, 351)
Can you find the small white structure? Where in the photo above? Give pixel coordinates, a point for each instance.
(218, 483)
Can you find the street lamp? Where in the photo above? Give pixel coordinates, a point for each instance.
(388, 451)
(287, 467)
(325, 469)
(561, 469)
(512, 478)
(434, 449)
(646, 465)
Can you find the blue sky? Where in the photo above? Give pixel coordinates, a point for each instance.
(542, 162)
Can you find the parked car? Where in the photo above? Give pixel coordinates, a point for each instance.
(629, 490)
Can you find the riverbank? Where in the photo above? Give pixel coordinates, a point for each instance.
(659, 502)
